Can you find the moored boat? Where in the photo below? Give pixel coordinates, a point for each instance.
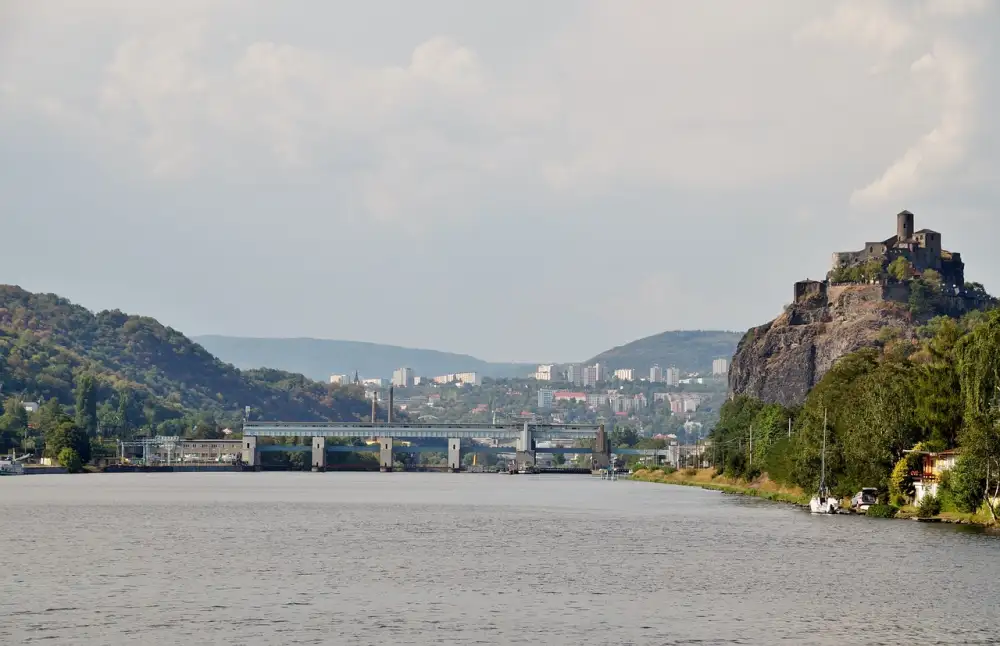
(823, 502)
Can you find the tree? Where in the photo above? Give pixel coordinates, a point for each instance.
(124, 413)
(624, 436)
(14, 422)
(67, 435)
(86, 404)
(70, 459)
(933, 280)
(901, 269)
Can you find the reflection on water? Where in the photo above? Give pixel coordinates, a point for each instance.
(295, 558)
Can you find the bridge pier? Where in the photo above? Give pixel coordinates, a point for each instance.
(385, 454)
(454, 454)
(601, 458)
(250, 455)
(525, 455)
(319, 453)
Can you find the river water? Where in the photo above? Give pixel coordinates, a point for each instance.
(409, 558)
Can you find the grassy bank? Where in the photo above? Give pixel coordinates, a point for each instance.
(768, 490)
(706, 479)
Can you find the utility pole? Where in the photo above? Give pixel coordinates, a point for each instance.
(751, 446)
(789, 428)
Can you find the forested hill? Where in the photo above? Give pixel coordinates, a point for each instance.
(689, 350)
(46, 342)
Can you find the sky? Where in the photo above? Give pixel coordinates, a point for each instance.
(513, 179)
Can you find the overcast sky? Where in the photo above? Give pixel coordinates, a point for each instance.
(515, 179)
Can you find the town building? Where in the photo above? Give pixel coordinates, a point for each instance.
(340, 380)
(593, 375)
(30, 407)
(402, 378)
(545, 397)
(655, 374)
(569, 396)
(375, 382)
(574, 374)
(597, 400)
(625, 374)
(672, 376)
(464, 378)
(927, 479)
(720, 367)
(546, 372)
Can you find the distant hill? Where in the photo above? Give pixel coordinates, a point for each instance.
(319, 358)
(46, 342)
(689, 350)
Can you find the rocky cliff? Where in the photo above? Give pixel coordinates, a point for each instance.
(782, 360)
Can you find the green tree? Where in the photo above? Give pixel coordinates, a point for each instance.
(70, 459)
(14, 422)
(967, 484)
(901, 269)
(86, 404)
(933, 280)
(921, 298)
(624, 436)
(67, 434)
(901, 483)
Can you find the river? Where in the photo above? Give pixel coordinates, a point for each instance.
(410, 558)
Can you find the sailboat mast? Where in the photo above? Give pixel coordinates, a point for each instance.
(822, 478)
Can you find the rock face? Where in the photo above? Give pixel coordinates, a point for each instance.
(782, 360)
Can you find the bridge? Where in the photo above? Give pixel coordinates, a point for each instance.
(459, 436)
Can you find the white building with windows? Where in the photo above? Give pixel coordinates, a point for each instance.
(402, 378)
(720, 367)
(625, 374)
(545, 396)
(672, 376)
(655, 374)
(546, 372)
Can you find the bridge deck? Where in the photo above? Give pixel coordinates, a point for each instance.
(420, 431)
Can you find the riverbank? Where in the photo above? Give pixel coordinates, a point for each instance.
(765, 489)
(706, 479)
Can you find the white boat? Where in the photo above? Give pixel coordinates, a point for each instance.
(11, 466)
(823, 502)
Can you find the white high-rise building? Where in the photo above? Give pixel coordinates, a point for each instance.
(625, 374)
(655, 374)
(673, 376)
(402, 378)
(545, 398)
(574, 374)
(340, 380)
(720, 367)
(546, 372)
(464, 378)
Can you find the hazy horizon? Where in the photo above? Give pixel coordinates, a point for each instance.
(513, 181)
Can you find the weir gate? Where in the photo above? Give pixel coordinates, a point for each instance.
(523, 436)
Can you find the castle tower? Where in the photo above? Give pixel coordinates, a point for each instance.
(904, 226)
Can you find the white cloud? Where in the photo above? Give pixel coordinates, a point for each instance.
(628, 93)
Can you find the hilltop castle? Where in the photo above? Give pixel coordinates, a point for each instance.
(921, 248)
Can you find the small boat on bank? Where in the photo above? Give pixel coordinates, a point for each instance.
(12, 466)
(823, 502)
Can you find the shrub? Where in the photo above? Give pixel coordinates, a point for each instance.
(929, 506)
(690, 471)
(900, 483)
(881, 511)
(70, 459)
(966, 485)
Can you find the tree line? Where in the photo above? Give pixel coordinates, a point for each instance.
(936, 392)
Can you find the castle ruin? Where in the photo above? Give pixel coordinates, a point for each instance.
(921, 248)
